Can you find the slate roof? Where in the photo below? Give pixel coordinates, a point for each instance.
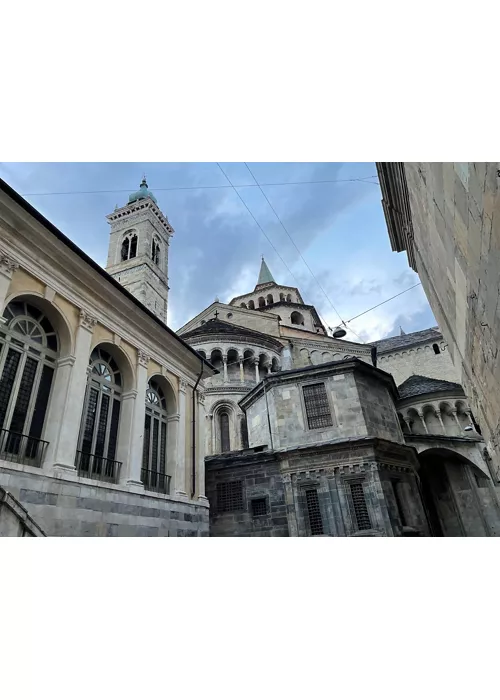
(401, 341)
(417, 385)
(218, 327)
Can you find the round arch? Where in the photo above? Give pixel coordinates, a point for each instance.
(226, 434)
(122, 359)
(168, 391)
(456, 494)
(57, 318)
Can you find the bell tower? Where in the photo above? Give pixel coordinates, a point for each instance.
(138, 249)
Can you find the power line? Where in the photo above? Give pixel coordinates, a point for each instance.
(384, 302)
(298, 251)
(368, 180)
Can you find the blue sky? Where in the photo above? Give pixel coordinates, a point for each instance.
(216, 250)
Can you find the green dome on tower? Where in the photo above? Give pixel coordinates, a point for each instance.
(142, 193)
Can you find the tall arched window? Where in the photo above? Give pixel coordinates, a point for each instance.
(251, 304)
(282, 297)
(270, 299)
(29, 348)
(155, 251)
(154, 454)
(225, 443)
(129, 246)
(297, 318)
(262, 302)
(289, 297)
(101, 416)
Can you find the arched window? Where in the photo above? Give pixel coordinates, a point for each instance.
(155, 252)
(224, 432)
(270, 299)
(262, 302)
(29, 348)
(154, 454)
(289, 297)
(129, 246)
(243, 305)
(251, 304)
(297, 318)
(436, 349)
(282, 297)
(101, 416)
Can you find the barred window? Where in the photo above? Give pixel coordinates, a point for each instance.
(314, 512)
(259, 507)
(317, 406)
(230, 496)
(359, 505)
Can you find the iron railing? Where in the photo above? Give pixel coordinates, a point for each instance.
(97, 467)
(155, 481)
(22, 449)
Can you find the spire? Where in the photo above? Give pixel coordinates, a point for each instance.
(265, 275)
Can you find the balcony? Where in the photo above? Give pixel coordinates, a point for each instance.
(97, 467)
(155, 481)
(22, 449)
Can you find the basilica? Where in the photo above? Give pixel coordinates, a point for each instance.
(253, 419)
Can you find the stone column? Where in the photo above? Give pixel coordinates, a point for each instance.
(7, 267)
(224, 362)
(69, 428)
(131, 433)
(242, 371)
(56, 408)
(173, 422)
(454, 414)
(421, 416)
(180, 467)
(438, 414)
(257, 375)
(201, 448)
(290, 506)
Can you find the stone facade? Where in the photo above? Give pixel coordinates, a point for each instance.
(15, 520)
(101, 429)
(447, 217)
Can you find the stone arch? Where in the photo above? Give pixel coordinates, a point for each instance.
(243, 305)
(315, 357)
(282, 297)
(202, 353)
(122, 359)
(456, 495)
(223, 441)
(436, 348)
(275, 365)
(251, 304)
(462, 414)
(297, 318)
(248, 365)
(289, 297)
(431, 420)
(415, 422)
(403, 424)
(270, 299)
(168, 390)
(327, 357)
(261, 302)
(233, 365)
(57, 318)
(304, 356)
(449, 423)
(264, 364)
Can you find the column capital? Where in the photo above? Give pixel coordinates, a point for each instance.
(7, 264)
(174, 418)
(142, 358)
(87, 321)
(132, 394)
(201, 397)
(255, 361)
(66, 361)
(183, 385)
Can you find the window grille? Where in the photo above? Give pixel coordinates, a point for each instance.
(359, 505)
(259, 507)
(314, 512)
(230, 496)
(317, 406)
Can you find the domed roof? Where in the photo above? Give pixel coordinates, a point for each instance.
(142, 193)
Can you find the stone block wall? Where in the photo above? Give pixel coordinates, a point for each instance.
(261, 479)
(14, 519)
(378, 409)
(82, 508)
(419, 360)
(455, 212)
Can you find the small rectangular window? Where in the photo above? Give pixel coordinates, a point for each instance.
(230, 496)
(317, 406)
(314, 512)
(359, 505)
(259, 506)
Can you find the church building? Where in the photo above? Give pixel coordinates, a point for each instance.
(254, 419)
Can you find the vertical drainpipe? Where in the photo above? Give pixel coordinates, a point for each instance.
(193, 438)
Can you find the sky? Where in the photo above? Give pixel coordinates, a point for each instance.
(338, 227)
